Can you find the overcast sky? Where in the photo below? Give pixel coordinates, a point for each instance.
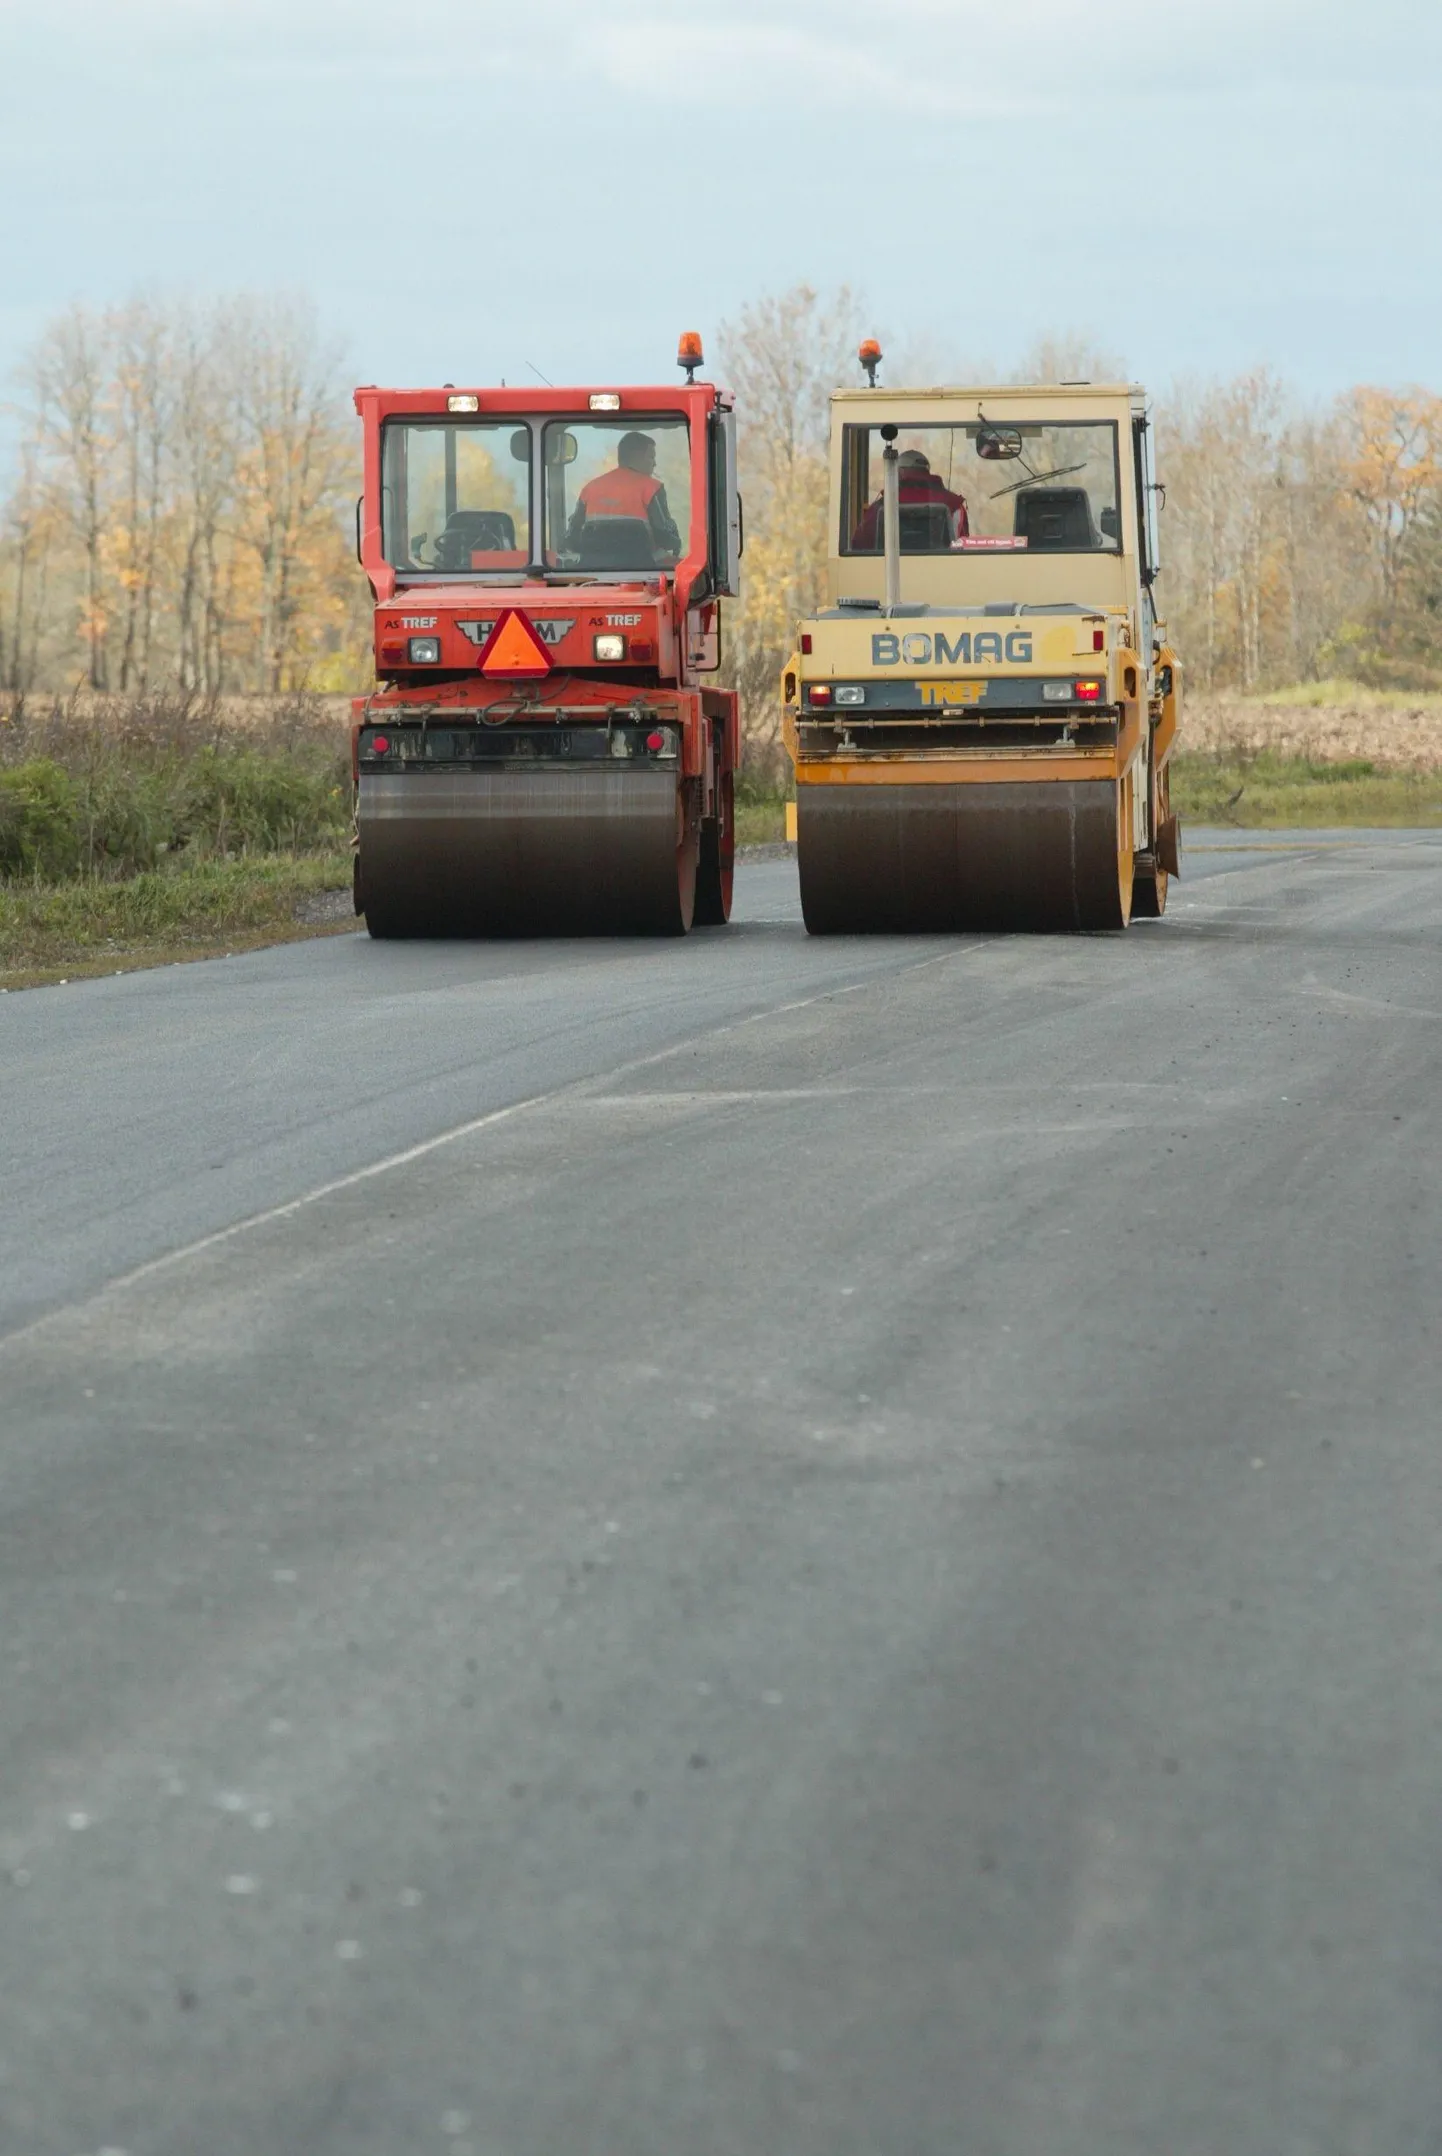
(464, 187)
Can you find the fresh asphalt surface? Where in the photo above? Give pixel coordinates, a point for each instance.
(813, 1549)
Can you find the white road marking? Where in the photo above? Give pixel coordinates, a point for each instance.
(576, 1089)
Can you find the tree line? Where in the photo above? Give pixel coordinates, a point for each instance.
(181, 506)
(179, 511)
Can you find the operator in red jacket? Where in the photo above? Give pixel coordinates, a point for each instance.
(631, 490)
(918, 488)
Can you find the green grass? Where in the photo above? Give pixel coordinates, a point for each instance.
(72, 927)
(760, 819)
(1267, 792)
(1262, 792)
(1340, 694)
(89, 925)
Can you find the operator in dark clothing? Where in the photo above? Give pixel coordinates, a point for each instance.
(918, 488)
(631, 490)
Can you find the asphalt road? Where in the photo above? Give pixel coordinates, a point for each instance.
(746, 1548)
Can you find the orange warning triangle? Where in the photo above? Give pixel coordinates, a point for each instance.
(513, 651)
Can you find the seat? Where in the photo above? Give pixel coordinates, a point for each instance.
(1056, 520)
(616, 543)
(925, 528)
(472, 531)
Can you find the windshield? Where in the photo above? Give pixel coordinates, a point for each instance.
(987, 487)
(618, 493)
(456, 496)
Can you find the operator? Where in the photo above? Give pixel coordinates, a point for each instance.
(631, 490)
(917, 487)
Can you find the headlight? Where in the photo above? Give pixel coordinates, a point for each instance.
(1056, 692)
(851, 694)
(425, 651)
(609, 647)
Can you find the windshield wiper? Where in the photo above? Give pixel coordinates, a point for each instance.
(1038, 479)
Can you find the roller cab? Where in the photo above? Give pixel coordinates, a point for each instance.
(543, 751)
(980, 720)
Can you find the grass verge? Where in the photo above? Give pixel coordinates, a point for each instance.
(760, 819)
(88, 925)
(1257, 792)
(91, 925)
(1267, 792)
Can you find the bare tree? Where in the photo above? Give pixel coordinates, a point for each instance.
(1068, 356)
(205, 487)
(144, 384)
(28, 527)
(295, 472)
(70, 376)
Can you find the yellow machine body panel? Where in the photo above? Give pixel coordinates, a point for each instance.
(980, 719)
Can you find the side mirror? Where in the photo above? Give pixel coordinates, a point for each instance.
(998, 445)
(562, 449)
(521, 445)
(1109, 524)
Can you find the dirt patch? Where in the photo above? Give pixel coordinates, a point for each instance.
(324, 909)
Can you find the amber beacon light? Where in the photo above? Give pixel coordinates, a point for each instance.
(869, 353)
(689, 353)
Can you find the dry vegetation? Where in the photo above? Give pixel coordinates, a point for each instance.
(106, 788)
(1323, 722)
(134, 829)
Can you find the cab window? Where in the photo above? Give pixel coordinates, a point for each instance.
(986, 487)
(618, 493)
(456, 495)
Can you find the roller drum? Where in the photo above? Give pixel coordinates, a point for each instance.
(559, 851)
(916, 858)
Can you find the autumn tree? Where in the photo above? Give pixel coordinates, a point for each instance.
(69, 379)
(26, 537)
(296, 472)
(1393, 470)
(783, 355)
(183, 504)
(143, 379)
(1264, 556)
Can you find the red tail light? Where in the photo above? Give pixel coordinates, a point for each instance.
(381, 745)
(655, 741)
(805, 645)
(393, 654)
(1099, 639)
(821, 694)
(1088, 692)
(644, 654)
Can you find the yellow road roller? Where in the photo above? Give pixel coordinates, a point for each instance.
(980, 720)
